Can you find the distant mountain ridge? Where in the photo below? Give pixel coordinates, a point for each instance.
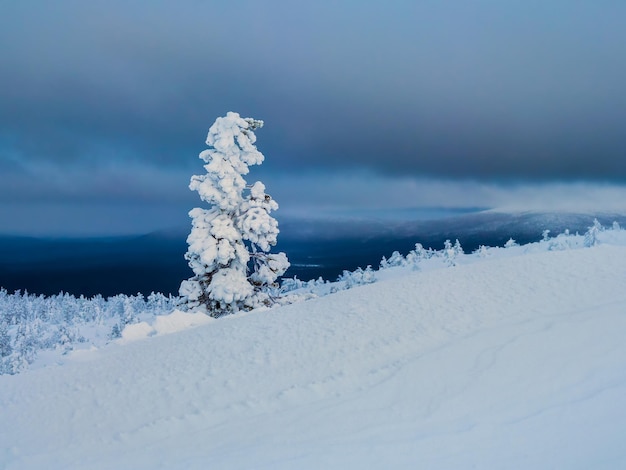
(324, 247)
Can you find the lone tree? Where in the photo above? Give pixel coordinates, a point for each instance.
(229, 243)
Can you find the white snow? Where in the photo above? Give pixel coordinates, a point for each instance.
(162, 325)
(509, 362)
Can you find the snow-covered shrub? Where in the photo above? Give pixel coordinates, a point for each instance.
(510, 243)
(451, 252)
(563, 241)
(357, 277)
(482, 251)
(421, 253)
(396, 259)
(234, 236)
(591, 236)
(414, 257)
(412, 260)
(293, 284)
(294, 290)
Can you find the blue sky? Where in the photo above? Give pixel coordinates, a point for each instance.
(104, 106)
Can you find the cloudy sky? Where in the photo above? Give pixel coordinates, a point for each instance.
(105, 105)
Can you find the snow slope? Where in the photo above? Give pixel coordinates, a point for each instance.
(513, 362)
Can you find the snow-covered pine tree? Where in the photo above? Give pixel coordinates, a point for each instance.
(591, 236)
(229, 243)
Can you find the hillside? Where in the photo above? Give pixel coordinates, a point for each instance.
(516, 361)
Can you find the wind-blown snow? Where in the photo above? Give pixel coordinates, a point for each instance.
(512, 362)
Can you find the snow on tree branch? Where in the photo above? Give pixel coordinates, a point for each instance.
(229, 243)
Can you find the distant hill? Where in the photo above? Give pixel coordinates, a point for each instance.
(325, 247)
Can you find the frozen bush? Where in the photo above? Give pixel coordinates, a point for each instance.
(591, 236)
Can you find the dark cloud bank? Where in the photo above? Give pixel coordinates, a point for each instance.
(529, 90)
(486, 91)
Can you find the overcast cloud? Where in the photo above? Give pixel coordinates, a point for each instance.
(110, 101)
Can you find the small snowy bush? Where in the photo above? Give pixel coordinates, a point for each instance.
(451, 252)
(591, 236)
(563, 241)
(396, 259)
(482, 251)
(414, 257)
(358, 277)
(510, 243)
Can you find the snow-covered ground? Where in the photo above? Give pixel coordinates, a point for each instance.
(516, 361)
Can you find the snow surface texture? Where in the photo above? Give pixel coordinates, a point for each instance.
(517, 361)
